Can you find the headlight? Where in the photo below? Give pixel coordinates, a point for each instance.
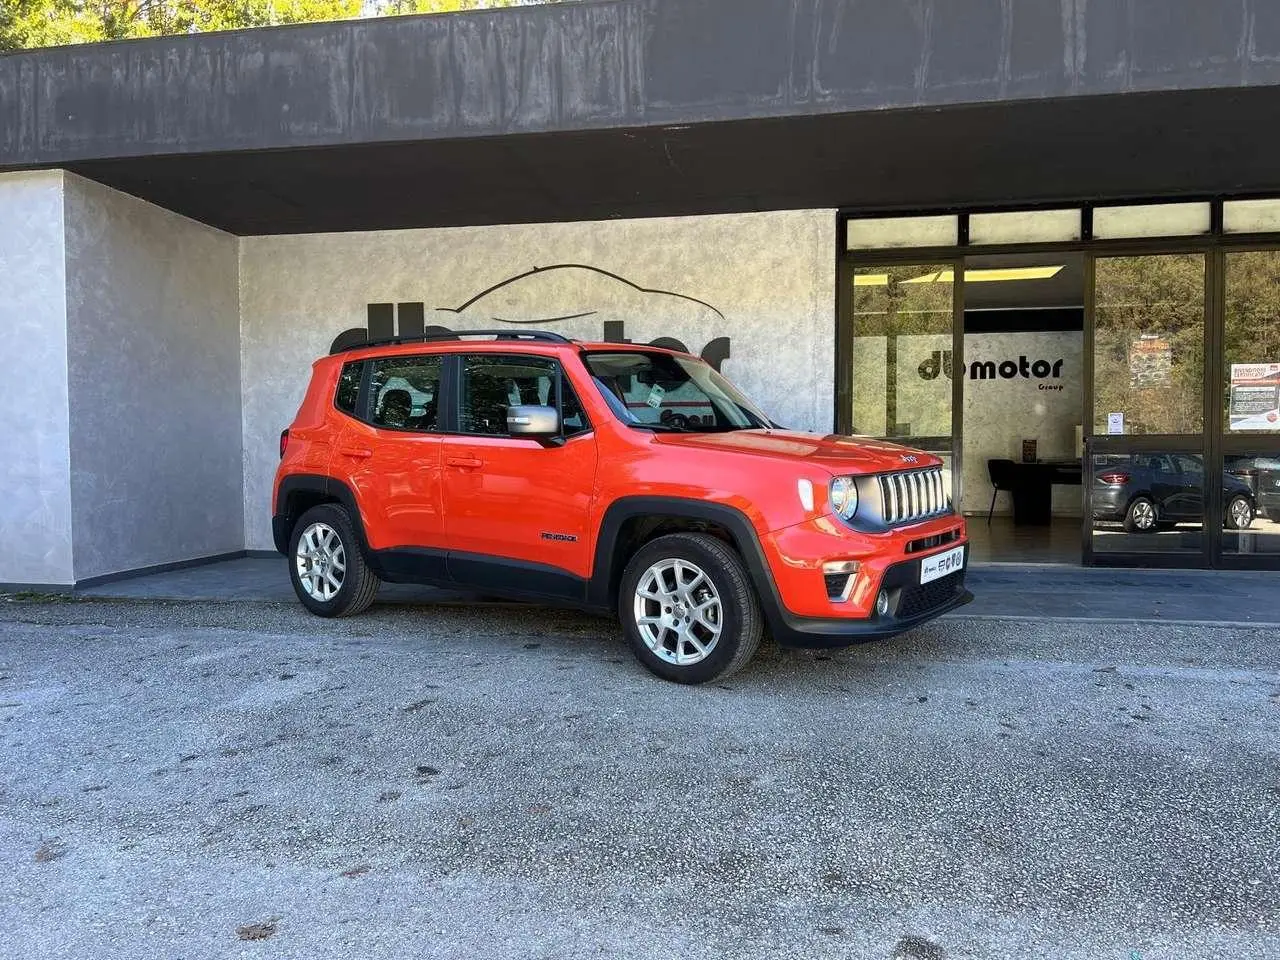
(844, 496)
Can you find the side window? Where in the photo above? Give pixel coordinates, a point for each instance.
(349, 387)
(492, 383)
(1189, 464)
(404, 393)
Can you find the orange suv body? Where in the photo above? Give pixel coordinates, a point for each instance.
(420, 443)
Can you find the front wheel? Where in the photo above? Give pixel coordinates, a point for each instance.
(326, 565)
(688, 608)
(1239, 513)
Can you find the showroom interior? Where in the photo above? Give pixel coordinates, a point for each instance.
(1082, 371)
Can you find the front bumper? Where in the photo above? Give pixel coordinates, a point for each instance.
(806, 615)
(910, 605)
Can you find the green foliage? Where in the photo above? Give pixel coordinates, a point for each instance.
(25, 24)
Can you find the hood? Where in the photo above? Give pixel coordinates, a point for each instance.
(834, 453)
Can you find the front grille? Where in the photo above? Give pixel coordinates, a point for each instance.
(921, 598)
(937, 540)
(912, 495)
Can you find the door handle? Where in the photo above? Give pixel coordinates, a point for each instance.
(467, 463)
(361, 452)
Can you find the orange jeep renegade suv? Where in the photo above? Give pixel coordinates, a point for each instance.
(614, 477)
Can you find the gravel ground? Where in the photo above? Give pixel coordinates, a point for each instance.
(243, 780)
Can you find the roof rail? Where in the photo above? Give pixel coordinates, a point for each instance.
(538, 336)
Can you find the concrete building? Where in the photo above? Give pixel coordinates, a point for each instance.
(1038, 231)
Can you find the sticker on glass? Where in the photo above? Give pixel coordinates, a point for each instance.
(656, 393)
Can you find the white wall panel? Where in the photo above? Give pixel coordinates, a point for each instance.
(154, 357)
(35, 495)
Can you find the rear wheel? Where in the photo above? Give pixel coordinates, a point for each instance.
(1141, 516)
(326, 564)
(688, 608)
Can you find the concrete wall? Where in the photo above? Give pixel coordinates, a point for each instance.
(35, 509)
(628, 63)
(765, 281)
(153, 352)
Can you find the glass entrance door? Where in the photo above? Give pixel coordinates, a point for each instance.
(905, 374)
(1150, 495)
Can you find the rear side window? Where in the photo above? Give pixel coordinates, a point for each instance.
(404, 393)
(491, 383)
(349, 387)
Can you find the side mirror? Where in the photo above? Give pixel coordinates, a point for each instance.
(533, 421)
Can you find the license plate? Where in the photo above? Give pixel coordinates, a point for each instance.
(941, 564)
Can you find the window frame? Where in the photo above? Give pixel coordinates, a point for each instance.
(610, 399)
(364, 405)
(456, 364)
(354, 413)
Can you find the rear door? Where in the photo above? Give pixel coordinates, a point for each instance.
(516, 509)
(390, 455)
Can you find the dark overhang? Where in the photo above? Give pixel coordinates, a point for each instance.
(646, 107)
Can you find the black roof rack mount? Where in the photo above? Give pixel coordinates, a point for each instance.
(543, 336)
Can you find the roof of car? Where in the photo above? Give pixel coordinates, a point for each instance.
(522, 344)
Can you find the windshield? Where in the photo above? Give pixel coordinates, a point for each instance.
(659, 391)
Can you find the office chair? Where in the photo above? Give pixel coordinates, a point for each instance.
(1003, 474)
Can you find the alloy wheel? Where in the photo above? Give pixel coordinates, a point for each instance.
(1144, 515)
(678, 612)
(1241, 513)
(321, 561)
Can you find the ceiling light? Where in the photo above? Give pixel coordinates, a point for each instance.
(986, 275)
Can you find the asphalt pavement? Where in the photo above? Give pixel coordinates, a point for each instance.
(191, 780)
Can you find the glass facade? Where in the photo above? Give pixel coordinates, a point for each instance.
(1148, 345)
(1251, 343)
(1251, 403)
(901, 353)
(1149, 502)
(1179, 389)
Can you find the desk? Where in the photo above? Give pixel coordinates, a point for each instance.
(1033, 488)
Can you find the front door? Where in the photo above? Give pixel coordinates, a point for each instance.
(516, 509)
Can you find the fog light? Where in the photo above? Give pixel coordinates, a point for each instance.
(882, 604)
(839, 576)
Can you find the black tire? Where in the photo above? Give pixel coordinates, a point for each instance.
(358, 586)
(1246, 520)
(1136, 517)
(741, 623)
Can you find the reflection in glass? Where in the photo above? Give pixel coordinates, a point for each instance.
(1148, 349)
(1251, 343)
(901, 354)
(1147, 502)
(1252, 509)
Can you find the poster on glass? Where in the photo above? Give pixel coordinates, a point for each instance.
(1255, 396)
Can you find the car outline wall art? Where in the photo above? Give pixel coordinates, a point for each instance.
(563, 293)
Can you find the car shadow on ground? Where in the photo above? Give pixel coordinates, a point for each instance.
(518, 632)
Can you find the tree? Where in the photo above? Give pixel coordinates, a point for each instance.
(25, 24)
